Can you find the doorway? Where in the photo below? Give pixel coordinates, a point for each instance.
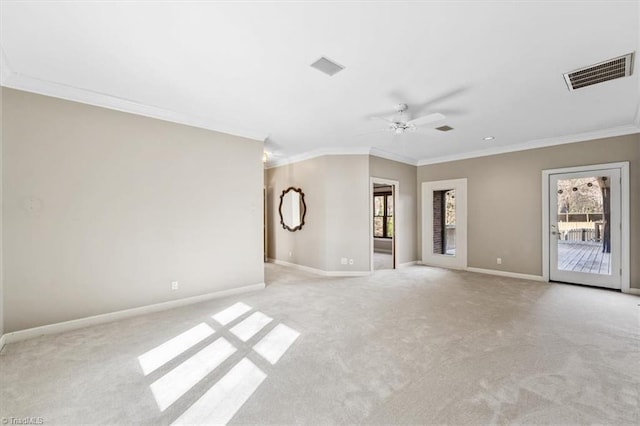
(585, 225)
(384, 214)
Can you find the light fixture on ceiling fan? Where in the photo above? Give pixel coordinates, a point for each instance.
(399, 124)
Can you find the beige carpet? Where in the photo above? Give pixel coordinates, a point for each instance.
(382, 261)
(415, 345)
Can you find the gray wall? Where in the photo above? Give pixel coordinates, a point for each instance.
(336, 192)
(504, 196)
(406, 221)
(103, 209)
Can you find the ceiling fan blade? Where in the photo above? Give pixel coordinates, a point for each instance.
(386, 120)
(440, 98)
(427, 119)
(373, 132)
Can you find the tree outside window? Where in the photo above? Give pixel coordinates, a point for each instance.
(383, 215)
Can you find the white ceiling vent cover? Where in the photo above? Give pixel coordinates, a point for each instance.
(621, 66)
(327, 66)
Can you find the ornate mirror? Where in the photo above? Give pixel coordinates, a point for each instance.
(292, 209)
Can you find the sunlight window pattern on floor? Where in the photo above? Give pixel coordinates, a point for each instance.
(222, 400)
(159, 356)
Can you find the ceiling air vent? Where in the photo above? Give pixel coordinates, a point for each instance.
(327, 66)
(604, 71)
(444, 128)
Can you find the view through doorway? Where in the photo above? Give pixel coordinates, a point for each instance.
(585, 226)
(383, 224)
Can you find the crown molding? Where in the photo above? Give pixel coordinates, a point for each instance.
(376, 152)
(538, 143)
(323, 152)
(5, 68)
(14, 80)
(327, 152)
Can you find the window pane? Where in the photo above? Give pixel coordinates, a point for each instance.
(450, 205)
(389, 227)
(390, 205)
(378, 203)
(378, 227)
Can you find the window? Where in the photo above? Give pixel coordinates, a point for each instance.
(383, 215)
(444, 222)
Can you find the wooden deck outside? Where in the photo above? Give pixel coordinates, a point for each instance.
(583, 257)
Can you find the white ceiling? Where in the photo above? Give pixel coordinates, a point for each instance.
(243, 68)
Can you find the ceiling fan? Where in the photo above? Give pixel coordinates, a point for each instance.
(399, 123)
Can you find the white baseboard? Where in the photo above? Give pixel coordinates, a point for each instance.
(60, 327)
(346, 273)
(406, 264)
(506, 274)
(453, 268)
(319, 271)
(632, 291)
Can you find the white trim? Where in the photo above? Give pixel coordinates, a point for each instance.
(431, 265)
(635, 59)
(545, 225)
(377, 152)
(327, 152)
(2, 342)
(5, 68)
(538, 143)
(322, 152)
(396, 208)
(319, 271)
(625, 232)
(346, 273)
(625, 255)
(408, 264)
(459, 260)
(506, 274)
(27, 83)
(632, 290)
(61, 327)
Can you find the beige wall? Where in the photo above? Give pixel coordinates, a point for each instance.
(337, 221)
(347, 212)
(306, 245)
(504, 195)
(1, 210)
(104, 209)
(406, 221)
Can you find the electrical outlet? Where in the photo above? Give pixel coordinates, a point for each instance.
(499, 261)
(343, 261)
(290, 254)
(350, 261)
(174, 285)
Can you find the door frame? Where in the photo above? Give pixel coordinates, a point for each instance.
(459, 260)
(625, 249)
(396, 208)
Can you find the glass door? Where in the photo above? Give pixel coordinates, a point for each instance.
(584, 226)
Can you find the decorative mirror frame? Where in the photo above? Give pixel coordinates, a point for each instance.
(303, 213)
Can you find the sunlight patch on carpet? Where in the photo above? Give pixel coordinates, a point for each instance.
(231, 313)
(275, 344)
(221, 402)
(250, 326)
(170, 387)
(160, 355)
